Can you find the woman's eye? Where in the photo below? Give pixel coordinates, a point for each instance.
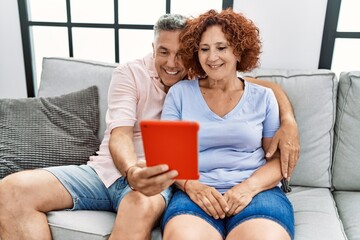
(204, 49)
(221, 48)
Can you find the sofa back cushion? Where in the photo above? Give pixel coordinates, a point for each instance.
(313, 97)
(45, 132)
(347, 134)
(64, 75)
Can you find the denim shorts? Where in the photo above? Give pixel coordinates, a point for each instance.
(271, 204)
(89, 192)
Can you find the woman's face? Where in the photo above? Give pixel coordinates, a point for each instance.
(216, 55)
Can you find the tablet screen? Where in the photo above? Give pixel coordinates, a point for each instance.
(174, 143)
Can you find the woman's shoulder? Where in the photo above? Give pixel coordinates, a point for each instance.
(258, 89)
(183, 84)
(255, 86)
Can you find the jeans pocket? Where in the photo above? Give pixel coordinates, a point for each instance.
(121, 183)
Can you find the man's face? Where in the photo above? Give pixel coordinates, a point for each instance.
(168, 63)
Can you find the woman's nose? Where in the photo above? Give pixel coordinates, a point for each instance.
(213, 55)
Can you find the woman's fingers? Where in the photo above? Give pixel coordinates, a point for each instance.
(212, 202)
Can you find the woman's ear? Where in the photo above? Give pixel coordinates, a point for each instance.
(238, 63)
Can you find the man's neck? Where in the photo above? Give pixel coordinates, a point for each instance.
(166, 87)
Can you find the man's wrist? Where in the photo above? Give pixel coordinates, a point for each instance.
(128, 172)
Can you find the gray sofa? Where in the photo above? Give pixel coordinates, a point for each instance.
(325, 183)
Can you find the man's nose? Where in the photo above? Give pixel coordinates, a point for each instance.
(172, 61)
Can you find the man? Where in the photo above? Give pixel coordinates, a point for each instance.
(117, 179)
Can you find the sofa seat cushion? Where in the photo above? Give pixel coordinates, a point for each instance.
(52, 131)
(84, 225)
(313, 96)
(87, 225)
(347, 134)
(349, 211)
(316, 215)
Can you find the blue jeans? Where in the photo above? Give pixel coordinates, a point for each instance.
(88, 191)
(271, 204)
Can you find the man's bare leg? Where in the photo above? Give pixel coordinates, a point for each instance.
(137, 215)
(25, 197)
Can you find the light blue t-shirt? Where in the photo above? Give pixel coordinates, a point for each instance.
(230, 147)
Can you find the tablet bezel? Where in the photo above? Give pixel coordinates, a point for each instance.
(165, 142)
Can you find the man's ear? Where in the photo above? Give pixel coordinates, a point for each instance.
(153, 47)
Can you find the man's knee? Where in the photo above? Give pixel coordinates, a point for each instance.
(13, 189)
(143, 205)
(19, 189)
(8, 197)
(9, 186)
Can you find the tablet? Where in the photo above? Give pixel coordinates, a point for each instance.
(174, 143)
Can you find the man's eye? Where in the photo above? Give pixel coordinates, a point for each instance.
(163, 53)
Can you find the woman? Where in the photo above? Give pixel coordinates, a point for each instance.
(238, 194)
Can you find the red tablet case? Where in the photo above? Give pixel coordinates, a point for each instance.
(174, 143)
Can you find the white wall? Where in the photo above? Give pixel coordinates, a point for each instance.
(291, 30)
(12, 72)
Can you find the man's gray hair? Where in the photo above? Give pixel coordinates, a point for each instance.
(169, 22)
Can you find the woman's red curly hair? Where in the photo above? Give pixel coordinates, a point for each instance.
(240, 32)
